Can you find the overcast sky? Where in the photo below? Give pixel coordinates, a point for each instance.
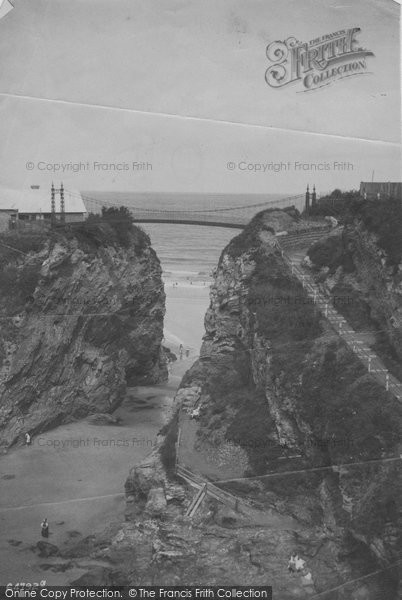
(179, 84)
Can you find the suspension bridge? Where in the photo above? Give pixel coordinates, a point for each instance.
(233, 217)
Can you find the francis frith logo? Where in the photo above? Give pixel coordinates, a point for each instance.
(318, 62)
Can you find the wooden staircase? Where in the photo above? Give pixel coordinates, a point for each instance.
(207, 488)
(197, 500)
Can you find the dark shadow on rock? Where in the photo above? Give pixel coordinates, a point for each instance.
(82, 548)
(73, 534)
(46, 549)
(60, 568)
(103, 419)
(101, 576)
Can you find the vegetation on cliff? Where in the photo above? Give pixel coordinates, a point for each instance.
(361, 269)
(113, 226)
(328, 386)
(382, 216)
(19, 276)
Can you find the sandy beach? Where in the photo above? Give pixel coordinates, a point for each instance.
(186, 302)
(74, 475)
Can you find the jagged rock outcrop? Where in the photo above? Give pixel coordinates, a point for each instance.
(148, 488)
(272, 369)
(81, 318)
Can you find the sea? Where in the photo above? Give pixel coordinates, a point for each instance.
(190, 250)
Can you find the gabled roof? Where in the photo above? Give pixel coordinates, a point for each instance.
(38, 200)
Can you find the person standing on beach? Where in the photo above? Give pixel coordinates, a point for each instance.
(45, 528)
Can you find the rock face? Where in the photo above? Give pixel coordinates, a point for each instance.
(149, 490)
(156, 502)
(274, 381)
(354, 270)
(82, 317)
(281, 383)
(46, 549)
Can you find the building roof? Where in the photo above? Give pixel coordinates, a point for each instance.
(38, 200)
(387, 188)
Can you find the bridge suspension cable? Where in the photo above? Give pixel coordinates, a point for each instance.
(99, 202)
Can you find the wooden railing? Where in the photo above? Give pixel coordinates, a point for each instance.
(207, 488)
(324, 303)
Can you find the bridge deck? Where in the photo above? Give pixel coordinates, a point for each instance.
(206, 223)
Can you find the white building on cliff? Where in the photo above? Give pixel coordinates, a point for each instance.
(34, 205)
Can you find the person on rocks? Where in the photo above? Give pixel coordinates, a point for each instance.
(27, 439)
(307, 578)
(292, 564)
(45, 528)
(299, 563)
(181, 351)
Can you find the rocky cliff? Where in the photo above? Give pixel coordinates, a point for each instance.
(312, 438)
(365, 287)
(280, 388)
(81, 318)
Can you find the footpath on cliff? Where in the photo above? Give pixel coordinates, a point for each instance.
(74, 475)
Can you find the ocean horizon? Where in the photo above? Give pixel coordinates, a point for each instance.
(187, 250)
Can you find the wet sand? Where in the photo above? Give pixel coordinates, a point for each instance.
(74, 475)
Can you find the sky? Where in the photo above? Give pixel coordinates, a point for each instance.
(178, 87)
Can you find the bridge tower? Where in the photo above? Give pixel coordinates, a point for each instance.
(53, 192)
(62, 213)
(307, 203)
(52, 205)
(314, 198)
